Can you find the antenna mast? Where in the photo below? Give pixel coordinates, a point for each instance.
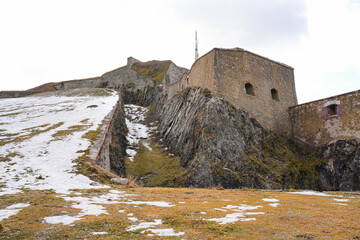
(196, 46)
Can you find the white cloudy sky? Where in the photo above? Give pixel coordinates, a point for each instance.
(49, 41)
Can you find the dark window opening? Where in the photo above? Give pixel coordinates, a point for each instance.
(274, 94)
(187, 80)
(332, 109)
(249, 89)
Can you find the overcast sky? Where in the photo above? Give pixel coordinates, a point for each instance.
(54, 40)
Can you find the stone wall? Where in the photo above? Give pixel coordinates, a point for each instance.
(127, 79)
(81, 83)
(173, 74)
(225, 72)
(171, 89)
(202, 72)
(15, 94)
(329, 119)
(108, 151)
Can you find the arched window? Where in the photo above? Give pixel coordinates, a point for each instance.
(249, 89)
(274, 94)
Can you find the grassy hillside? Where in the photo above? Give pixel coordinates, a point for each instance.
(153, 69)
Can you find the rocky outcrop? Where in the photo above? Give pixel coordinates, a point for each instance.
(224, 147)
(145, 97)
(342, 168)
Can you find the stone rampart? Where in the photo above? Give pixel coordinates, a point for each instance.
(108, 151)
(79, 83)
(171, 89)
(320, 122)
(127, 79)
(15, 94)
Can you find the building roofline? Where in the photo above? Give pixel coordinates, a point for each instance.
(328, 98)
(114, 70)
(255, 54)
(242, 50)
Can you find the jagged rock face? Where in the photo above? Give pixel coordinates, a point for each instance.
(223, 147)
(212, 138)
(145, 97)
(342, 169)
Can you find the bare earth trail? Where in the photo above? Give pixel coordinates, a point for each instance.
(42, 196)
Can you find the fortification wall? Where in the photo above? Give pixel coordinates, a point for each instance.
(15, 94)
(225, 72)
(80, 83)
(326, 120)
(202, 73)
(236, 68)
(126, 78)
(108, 151)
(178, 86)
(173, 74)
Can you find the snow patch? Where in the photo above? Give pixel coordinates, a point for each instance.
(341, 200)
(64, 219)
(151, 203)
(239, 214)
(99, 233)
(12, 210)
(314, 193)
(270, 200)
(144, 225)
(274, 204)
(138, 131)
(133, 219)
(168, 232)
(49, 165)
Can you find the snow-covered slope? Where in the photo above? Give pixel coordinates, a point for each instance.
(41, 136)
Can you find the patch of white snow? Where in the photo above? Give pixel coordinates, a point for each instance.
(151, 203)
(168, 232)
(274, 204)
(63, 219)
(270, 200)
(12, 210)
(239, 214)
(314, 193)
(144, 225)
(341, 199)
(99, 233)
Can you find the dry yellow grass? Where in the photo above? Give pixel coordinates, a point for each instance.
(297, 216)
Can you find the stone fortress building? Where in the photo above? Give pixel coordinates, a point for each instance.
(266, 90)
(260, 86)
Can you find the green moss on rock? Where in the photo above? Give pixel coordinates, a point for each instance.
(153, 69)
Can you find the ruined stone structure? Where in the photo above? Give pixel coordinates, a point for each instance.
(266, 90)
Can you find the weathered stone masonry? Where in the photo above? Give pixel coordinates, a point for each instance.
(266, 90)
(326, 120)
(262, 87)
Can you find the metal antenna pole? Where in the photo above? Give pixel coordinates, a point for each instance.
(196, 46)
